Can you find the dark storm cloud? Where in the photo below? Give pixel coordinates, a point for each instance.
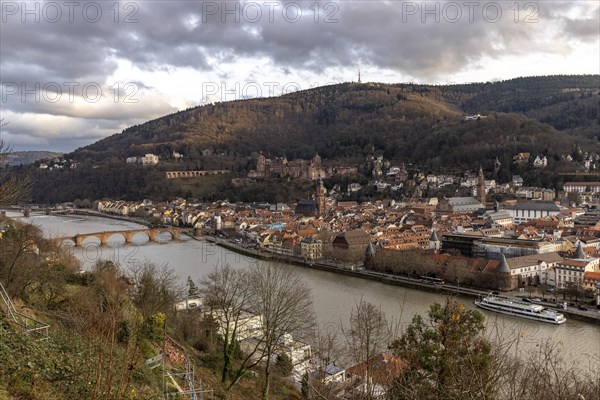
(427, 41)
(403, 36)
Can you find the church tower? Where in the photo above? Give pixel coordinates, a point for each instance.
(481, 187)
(320, 198)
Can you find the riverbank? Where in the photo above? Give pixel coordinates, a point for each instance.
(91, 213)
(79, 211)
(591, 316)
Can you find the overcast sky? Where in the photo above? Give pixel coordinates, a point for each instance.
(74, 72)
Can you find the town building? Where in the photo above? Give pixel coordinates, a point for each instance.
(475, 245)
(311, 249)
(351, 245)
(500, 218)
(524, 212)
(460, 204)
(570, 272)
(534, 269)
(578, 187)
(517, 181)
(591, 280)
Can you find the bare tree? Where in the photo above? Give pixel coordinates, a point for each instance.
(367, 336)
(12, 188)
(226, 293)
(155, 288)
(284, 301)
(326, 353)
(544, 374)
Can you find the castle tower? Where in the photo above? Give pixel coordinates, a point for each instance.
(261, 163)
(481, 187)
(320, 198)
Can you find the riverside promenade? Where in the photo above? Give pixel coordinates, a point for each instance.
(591, 316)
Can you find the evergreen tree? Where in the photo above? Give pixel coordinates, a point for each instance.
(447, 357)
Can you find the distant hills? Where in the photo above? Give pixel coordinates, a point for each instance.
(423, 126)
(417, 123)
(28, 157)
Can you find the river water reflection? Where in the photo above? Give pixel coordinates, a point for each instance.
(333, 295)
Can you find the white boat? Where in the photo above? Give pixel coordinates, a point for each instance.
(520, 309)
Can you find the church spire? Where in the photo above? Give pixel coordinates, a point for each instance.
(320, 198)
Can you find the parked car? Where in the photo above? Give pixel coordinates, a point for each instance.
(536, 300)
(583, 308)
(526, 300)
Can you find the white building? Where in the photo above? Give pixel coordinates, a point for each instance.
(535, 268)
(524, 212)
(517, 180)
(540, 162)
(149, 159)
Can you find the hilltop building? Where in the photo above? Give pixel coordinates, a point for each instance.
(280, 167)
(148, 159)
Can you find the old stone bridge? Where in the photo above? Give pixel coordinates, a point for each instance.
(128, 235)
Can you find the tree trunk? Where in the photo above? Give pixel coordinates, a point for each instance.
(265, 393)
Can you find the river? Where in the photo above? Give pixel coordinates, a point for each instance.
(334, 295)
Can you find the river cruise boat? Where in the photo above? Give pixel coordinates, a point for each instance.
(520, 309)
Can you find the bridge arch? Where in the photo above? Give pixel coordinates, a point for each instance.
(105, 237)
(138, 234)
(82, 240)
(127, 235)
(174, 233)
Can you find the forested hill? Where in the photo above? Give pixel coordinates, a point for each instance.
(420, 123)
